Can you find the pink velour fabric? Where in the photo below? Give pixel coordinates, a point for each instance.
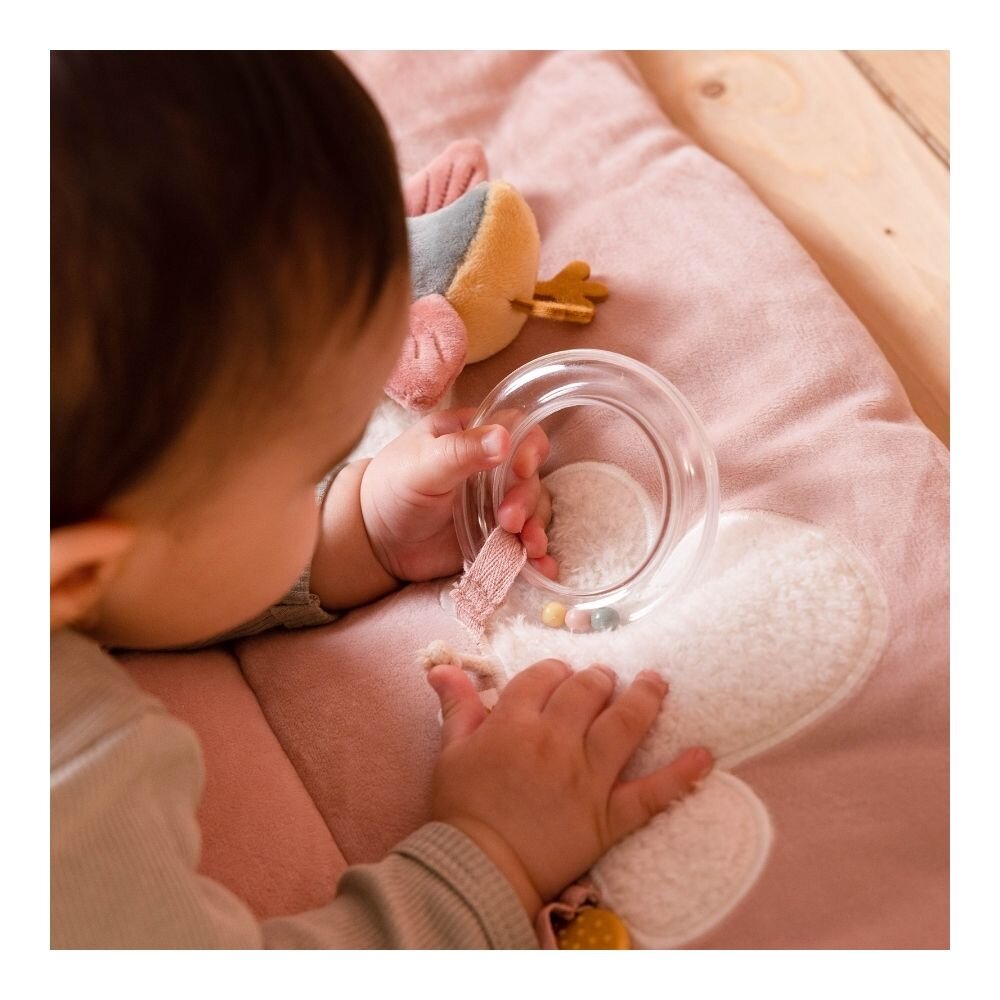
(262, 833)
(808, 419)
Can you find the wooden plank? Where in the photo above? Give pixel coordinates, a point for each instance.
(858, 188)
(916, 85)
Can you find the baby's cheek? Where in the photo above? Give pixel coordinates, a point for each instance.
(273, 556)
(291, 548)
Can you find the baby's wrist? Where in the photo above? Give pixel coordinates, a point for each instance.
(369, 521)
(504, 857)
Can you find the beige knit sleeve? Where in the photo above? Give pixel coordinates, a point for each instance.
(125, 845)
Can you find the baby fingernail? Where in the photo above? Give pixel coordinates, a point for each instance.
(652, 675)
(493, 444)
(703, 760)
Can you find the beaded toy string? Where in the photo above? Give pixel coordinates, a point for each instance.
(478, 594)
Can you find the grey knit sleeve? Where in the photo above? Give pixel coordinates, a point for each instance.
(126, 782)
(299, 608)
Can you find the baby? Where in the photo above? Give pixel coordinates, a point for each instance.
(230, 289)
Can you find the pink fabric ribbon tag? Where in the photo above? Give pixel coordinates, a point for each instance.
(487, 580)
(571, 901)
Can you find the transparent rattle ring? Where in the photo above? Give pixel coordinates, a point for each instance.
(622, 424)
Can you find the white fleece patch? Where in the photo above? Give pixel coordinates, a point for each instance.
(594, 503)
(785, 623)
(788, 620)
(693, 862)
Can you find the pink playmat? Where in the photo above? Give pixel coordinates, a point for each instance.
(319, 743)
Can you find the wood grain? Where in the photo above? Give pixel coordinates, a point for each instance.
(916, 85)
(859, 188)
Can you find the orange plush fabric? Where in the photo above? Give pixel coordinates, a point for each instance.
(501, 265)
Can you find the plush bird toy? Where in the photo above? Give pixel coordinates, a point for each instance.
(474, 252)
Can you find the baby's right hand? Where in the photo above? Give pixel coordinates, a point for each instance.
(535, 782)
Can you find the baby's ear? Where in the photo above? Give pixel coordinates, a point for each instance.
(446, 178)
(83, 558)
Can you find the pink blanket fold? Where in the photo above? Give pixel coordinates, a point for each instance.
(808, 419)
(262, 835)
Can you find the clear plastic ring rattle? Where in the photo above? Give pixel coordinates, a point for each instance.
(605, 415)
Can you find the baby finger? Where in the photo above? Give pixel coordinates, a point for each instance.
(519, 504)
(531, 453)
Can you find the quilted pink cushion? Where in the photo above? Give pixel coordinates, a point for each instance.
(808, 420)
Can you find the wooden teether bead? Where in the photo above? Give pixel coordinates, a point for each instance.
(593, 929)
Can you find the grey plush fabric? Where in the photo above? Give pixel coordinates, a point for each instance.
(439, 241)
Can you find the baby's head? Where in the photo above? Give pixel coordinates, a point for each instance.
(230, 285)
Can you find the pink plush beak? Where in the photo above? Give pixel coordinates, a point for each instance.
(433, 355)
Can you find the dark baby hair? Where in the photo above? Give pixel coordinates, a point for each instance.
(212, 215)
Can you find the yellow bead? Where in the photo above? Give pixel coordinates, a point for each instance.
(582, 931)
(554, 614)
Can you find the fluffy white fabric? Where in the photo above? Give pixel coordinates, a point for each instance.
(787, 621)
(671, 880)
(602, 524)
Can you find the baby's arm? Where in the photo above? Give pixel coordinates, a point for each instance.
(125, 851)
(389, 519)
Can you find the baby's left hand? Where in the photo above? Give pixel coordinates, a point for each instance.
(408, 491)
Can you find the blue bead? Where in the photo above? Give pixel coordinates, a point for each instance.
(604, 619)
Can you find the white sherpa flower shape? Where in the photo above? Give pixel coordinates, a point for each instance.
(788, 620)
